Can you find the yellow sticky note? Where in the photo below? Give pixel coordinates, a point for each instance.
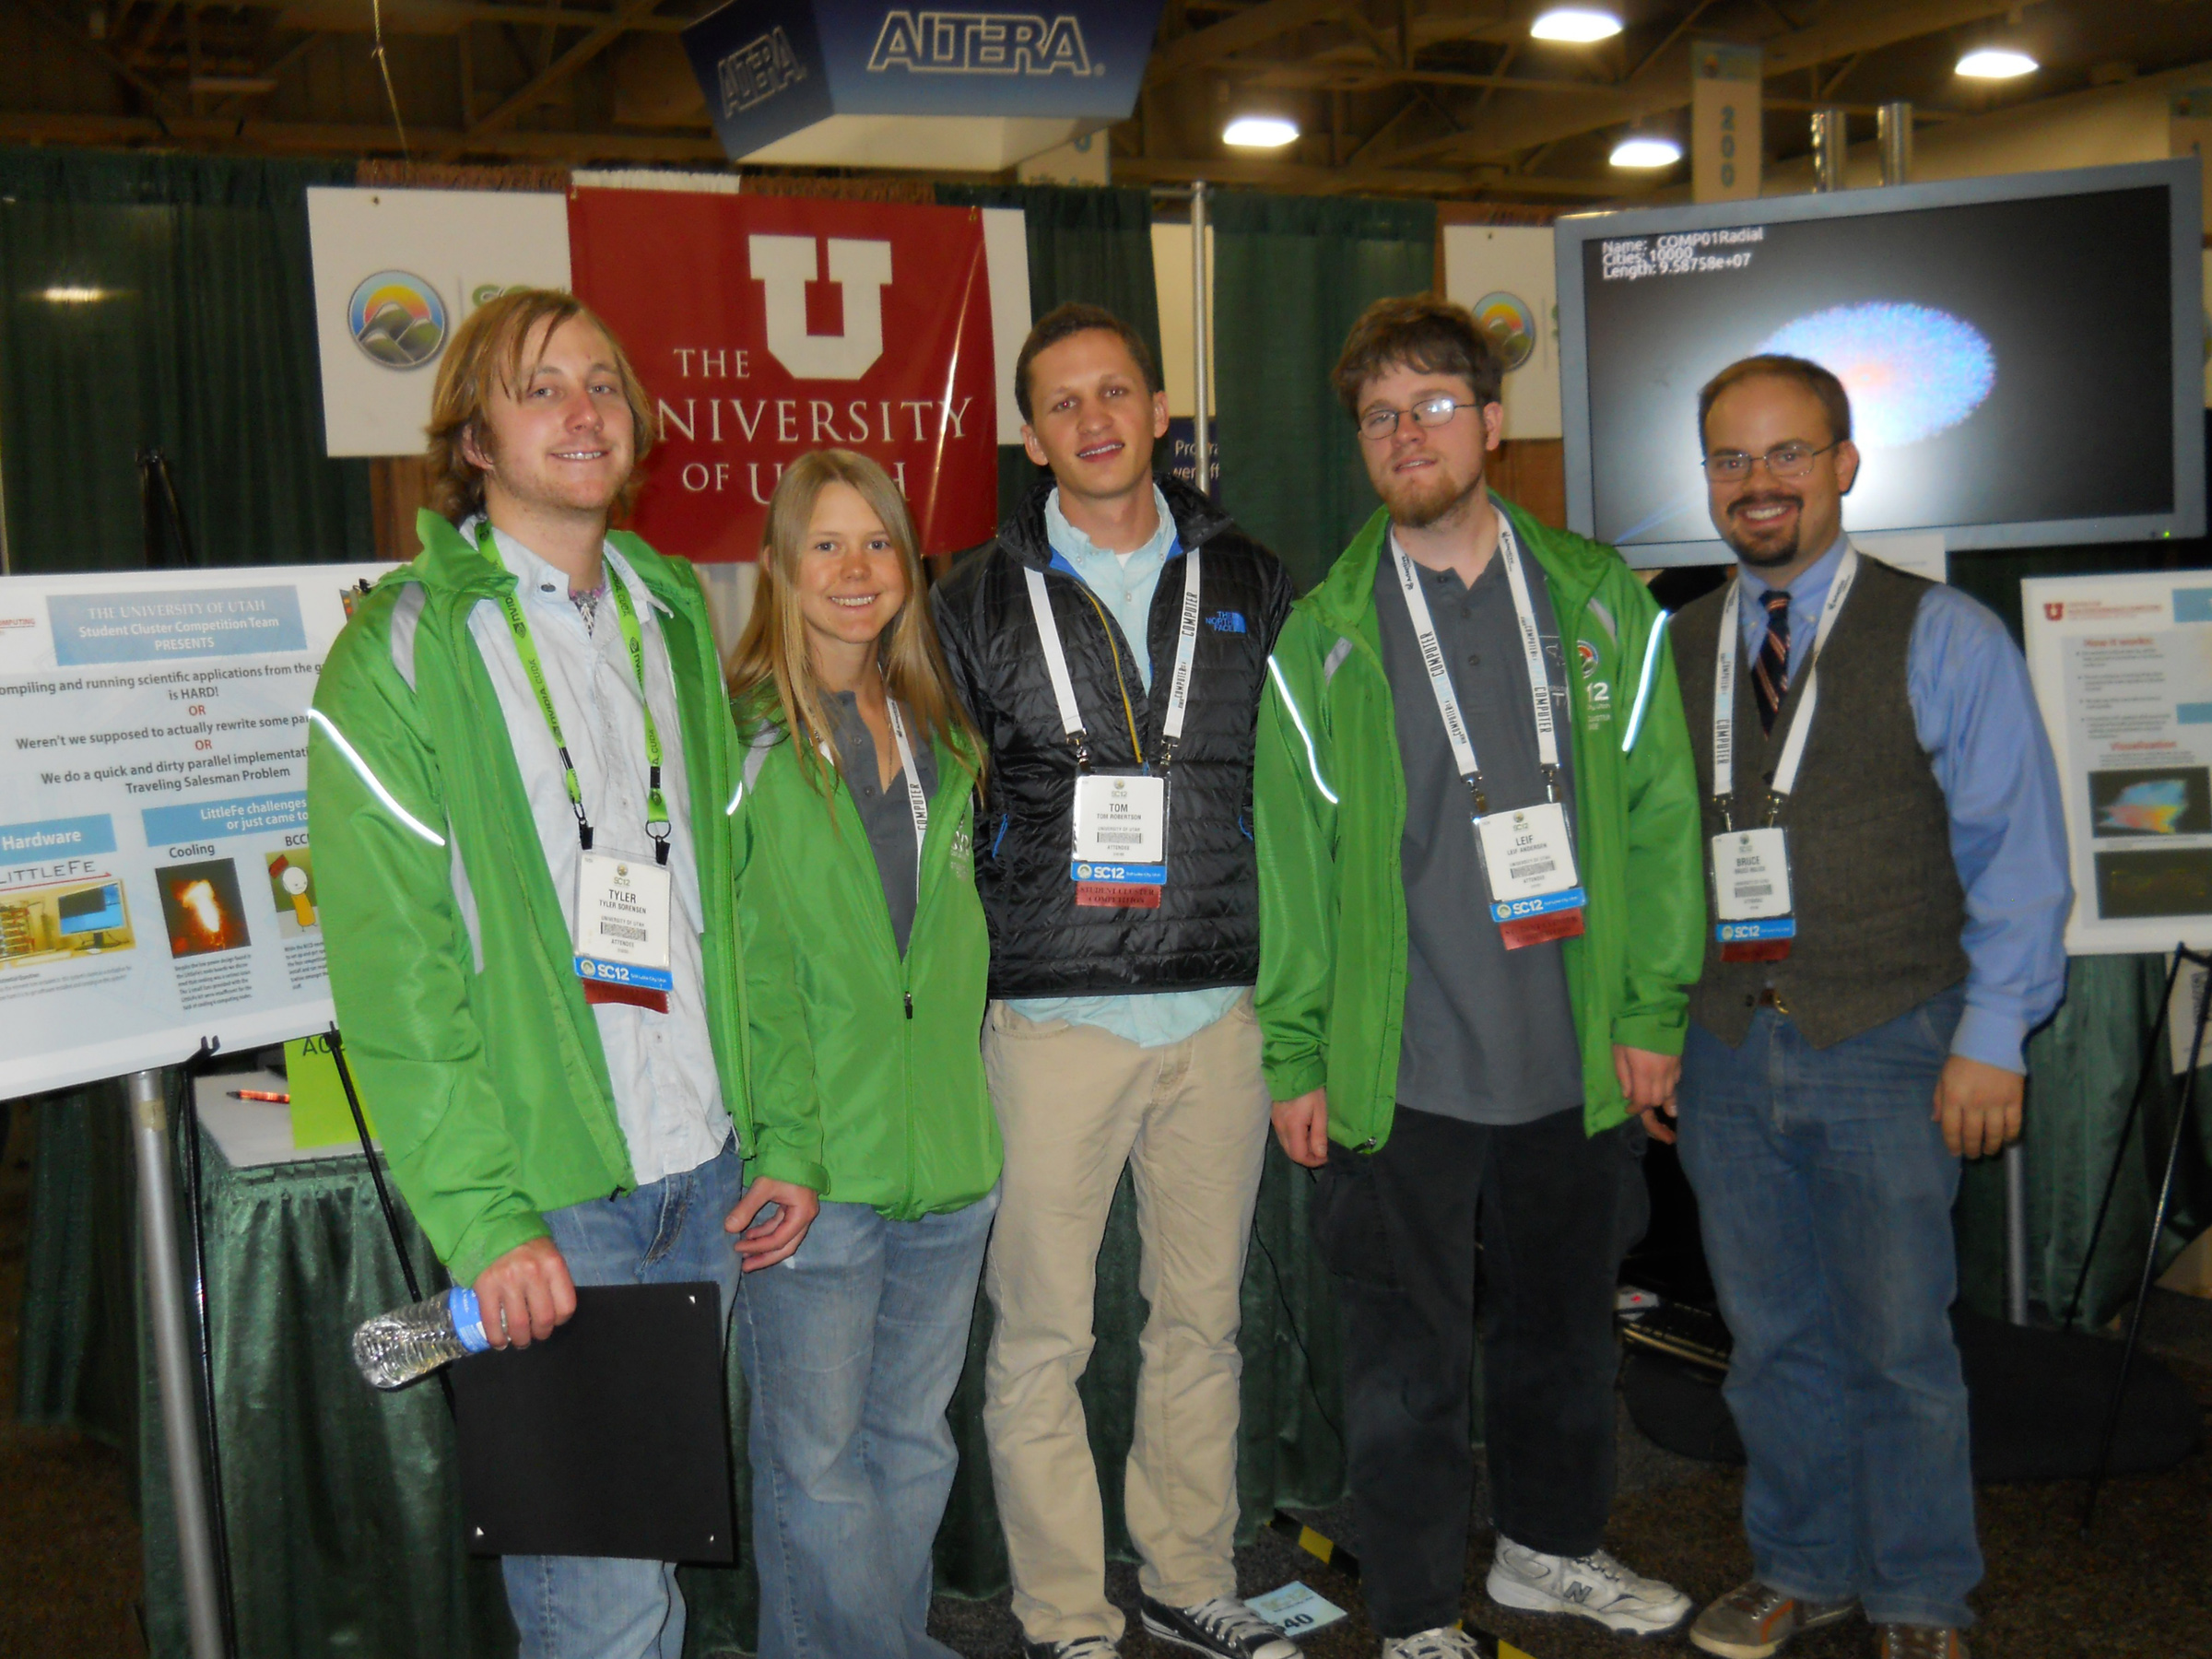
(320, 1114)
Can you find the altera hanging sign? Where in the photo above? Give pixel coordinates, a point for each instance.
(864, 83)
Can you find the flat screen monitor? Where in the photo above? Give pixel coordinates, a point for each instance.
(91, 909)
(2024, 354)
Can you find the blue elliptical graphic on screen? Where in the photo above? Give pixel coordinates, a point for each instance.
(1978, 394)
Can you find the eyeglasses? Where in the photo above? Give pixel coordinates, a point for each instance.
(1784, 461)
(1378, 423)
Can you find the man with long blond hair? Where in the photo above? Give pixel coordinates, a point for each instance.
(517, 768)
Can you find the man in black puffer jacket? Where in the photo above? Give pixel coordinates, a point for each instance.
(1111, 643)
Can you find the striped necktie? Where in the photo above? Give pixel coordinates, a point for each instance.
(1770, 674)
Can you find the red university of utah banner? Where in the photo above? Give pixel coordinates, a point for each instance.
(766, 327)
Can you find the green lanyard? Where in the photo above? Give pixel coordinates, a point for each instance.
(518, 625)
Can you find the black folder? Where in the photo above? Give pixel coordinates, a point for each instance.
(610, 1438)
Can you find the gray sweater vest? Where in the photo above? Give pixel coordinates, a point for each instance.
(1878, 906)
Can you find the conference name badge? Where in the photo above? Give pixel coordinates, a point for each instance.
(1528, 858)
(1121, 840)
(622, 937)
(1751, 892)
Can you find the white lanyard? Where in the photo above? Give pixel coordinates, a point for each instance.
(1801, 720)
(1063, 688)
(1440, 678)
(917, 803)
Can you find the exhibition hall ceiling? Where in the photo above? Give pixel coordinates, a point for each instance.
(1442, 98)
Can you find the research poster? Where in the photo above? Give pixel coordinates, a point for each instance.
(155, 882)
(2123, 671)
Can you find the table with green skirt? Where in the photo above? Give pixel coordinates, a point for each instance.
(341, 1507)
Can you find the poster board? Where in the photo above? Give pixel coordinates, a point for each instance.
(396, 271)
(2122, 673)
(1505, 274)
(155, 882)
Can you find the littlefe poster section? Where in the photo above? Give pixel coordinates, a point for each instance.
(2122, 672)
(156, 883)
(766, 327)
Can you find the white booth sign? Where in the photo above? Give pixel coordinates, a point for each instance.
(395, 273)
(2123, 671)
(156, 883)
(1504, 274)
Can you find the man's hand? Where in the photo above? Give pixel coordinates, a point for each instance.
(1979, 1107)
(1648, 1080)
(764, 1242)
(523, 1294)
(1303, 1125)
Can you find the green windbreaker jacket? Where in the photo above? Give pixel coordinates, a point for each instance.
(451, 964)
(867, 1076)
(1329, 797)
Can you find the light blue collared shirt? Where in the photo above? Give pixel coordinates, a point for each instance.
(1974, 712)
(1124, 583)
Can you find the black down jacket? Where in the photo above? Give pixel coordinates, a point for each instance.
(1205, 930)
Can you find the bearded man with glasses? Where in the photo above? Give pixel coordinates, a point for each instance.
(1889, 893)
(1478, 915)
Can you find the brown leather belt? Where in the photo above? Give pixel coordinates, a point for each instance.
(1772, 998)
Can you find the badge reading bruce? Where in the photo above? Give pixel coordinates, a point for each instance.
(1751, 892)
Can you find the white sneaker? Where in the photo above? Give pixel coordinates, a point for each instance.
(1446, 1642)
(1594, 1586)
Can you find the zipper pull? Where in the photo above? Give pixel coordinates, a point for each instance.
(909, 1004)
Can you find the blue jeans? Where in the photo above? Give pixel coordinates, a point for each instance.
(1825, 1194)
(852, 1348)
(669, 1232)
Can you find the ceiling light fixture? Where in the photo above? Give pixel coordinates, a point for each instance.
(1259, 132)
(1996, 62)
(71, 294)
(1577, 25)
(1642, 149)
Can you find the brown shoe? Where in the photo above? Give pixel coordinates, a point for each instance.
(1754, 1621)
(1918, 1642)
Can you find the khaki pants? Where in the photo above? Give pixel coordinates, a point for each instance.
(1075, 1103)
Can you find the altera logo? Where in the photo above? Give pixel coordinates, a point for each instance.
(757, 71)
(964, 43)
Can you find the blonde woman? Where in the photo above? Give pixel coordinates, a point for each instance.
(865, 956)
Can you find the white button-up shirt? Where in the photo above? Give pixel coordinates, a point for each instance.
(667, 1097)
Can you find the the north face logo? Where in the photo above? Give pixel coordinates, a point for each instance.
(1226, 621)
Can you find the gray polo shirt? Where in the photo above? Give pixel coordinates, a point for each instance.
(1488, 1035)
(887, 815)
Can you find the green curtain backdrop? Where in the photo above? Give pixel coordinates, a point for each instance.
(1292, 274)
(165, 302)
(1086, 243)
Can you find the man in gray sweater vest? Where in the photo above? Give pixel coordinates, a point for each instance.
(1889, 887)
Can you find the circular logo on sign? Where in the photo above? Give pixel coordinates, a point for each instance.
(1510, 325)
(397, 319)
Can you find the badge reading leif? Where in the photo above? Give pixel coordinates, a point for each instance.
(1528, 856)
(1121, 840)
(622, 930)
(1751, 891)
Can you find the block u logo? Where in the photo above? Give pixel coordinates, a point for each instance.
(783, 265)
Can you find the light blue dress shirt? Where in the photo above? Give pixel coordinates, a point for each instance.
(1124, 583)
(1974, 711)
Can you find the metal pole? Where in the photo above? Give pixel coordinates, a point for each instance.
(1894, 132)
(1831, 140)
(172, 1364)
(1200, 342)
(2016, 1233)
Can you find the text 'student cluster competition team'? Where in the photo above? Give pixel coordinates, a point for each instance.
(856, 970)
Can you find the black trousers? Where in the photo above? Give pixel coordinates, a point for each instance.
(1555, 1211)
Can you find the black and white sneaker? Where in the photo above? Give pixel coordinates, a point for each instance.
(1079, 1647)
(1224, 1627)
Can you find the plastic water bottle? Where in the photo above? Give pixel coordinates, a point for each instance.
(396, 1348)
